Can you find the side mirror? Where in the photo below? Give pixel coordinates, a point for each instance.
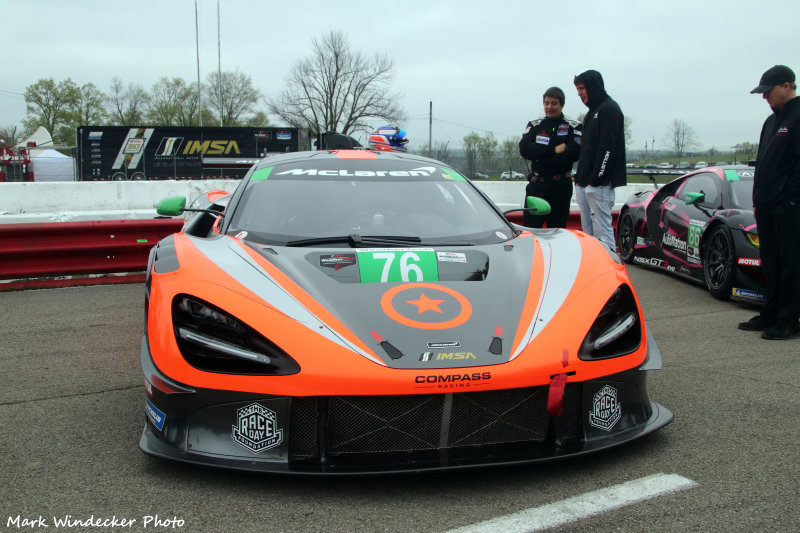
(171, 206)
(533, 205)
(694, 197)
(537, 206)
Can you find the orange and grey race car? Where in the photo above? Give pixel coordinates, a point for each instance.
(352, 311)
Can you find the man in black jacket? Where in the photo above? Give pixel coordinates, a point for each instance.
(776, 203)
(552, 145)
(601, 166)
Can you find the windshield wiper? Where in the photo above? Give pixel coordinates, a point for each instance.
(355, 240)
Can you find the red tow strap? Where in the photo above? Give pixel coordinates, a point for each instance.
(555, 394)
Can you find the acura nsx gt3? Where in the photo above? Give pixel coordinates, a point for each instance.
(699, 226)
(353, 311)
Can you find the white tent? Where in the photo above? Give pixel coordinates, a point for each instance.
(42, 141)
(50, 165)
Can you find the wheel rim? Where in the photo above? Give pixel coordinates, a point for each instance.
(626, 236)
(719, 260)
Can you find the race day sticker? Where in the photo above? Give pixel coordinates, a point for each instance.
(256, 428)
(606, 409)
(387, 265)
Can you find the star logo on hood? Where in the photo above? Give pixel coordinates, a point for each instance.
(426, 304)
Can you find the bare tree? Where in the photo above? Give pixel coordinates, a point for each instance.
(747, 149)
(8, 136)
(231, 97)
(679, 138)
(336, 89)
(438, 151)
(126, 105)
(626, 125)
(509, 151)
(487, 150)
(472, 143)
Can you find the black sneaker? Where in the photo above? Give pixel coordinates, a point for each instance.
(781, 331)
(757, 323)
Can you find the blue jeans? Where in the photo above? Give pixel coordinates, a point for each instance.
(596, 204)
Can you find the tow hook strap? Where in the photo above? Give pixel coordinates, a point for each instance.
(555, 394)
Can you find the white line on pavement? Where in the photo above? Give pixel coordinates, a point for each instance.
(582, 506)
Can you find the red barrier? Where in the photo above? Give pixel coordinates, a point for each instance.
(56, 254)
(31, 253)
(574, 221)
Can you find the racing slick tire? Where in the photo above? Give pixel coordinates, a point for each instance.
(626, 238)
(718, 262)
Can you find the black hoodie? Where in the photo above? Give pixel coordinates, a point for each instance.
(602, 156)
(777, 177)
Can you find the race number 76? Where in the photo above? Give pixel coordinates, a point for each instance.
(386, 266)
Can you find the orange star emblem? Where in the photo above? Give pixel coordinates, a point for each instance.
(426, 304)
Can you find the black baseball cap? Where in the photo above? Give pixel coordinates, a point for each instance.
(777, 75)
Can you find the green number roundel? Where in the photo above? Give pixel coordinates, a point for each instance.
(393, 265)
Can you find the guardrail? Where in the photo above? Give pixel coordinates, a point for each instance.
(51, 254)
(573, 222)
(58, 254)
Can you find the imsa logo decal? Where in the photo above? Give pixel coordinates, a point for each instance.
(606, 410)
(256, 428)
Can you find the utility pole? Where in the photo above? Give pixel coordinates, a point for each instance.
(219, 66)
(197, 45)
(430, 129)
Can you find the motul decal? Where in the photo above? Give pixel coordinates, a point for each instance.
(747, 261)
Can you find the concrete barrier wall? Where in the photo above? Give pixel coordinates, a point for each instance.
(26, 202)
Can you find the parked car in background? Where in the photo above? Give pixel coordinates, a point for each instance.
(665, 165)
(480, 176)
(514, 175)
(721, 164)
(700, 164)
(683, 164)
(699, 226)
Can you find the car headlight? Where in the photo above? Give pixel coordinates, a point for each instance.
(616, 331)
(212, 340)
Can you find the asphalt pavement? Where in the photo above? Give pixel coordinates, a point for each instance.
(72, 411)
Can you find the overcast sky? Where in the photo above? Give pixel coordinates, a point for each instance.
(483, 64)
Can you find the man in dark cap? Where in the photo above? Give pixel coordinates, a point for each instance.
(552, 145)
(601, 166)
(776, 204)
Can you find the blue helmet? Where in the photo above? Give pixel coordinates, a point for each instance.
(388, 139)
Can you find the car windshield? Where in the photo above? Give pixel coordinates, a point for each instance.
(742, 193)
(329, 201)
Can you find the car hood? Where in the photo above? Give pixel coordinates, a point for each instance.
(488, 303)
